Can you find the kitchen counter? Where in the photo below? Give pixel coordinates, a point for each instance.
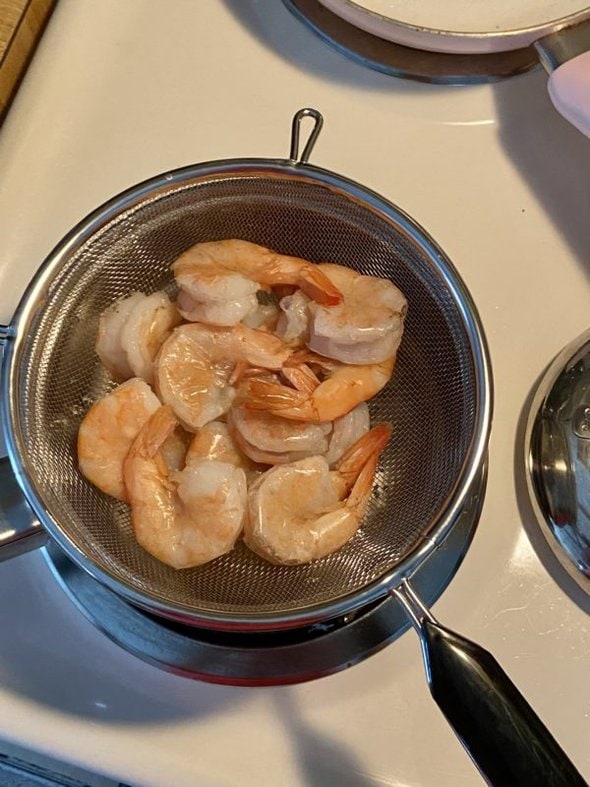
(118, 92)
(21, 25)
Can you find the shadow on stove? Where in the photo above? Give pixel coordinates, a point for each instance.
(53, 657)
(275, 27)
(551, 156)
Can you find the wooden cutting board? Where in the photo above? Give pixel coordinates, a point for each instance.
(21, 26)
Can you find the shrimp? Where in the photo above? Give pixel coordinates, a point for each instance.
(183, 518)
(108, 342)
(175, 449)
(219, 280)
(194, 368)
(257, 308)
(217, 310)
(266, 312)
(366, 327)
(214, 441)
(347, 430)
(303, 511)
(270, 439)
(145, 330)
(131, 331)
(342, 389)
(108, 430)
(293, 323)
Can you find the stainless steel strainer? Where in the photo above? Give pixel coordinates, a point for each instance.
(439, 400)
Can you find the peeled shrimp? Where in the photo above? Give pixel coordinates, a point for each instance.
(346, 431)
(131, 332)
(146, 328)
(194, 368)
(293, 323)
(108, 342)
(256, 308)
(214, 441)
(266, 312)
(366, 327)
(175, 449)
(184, 518)
(303, 511)
(342, 389)
(108, 430)
(219, 280)
(270, 439)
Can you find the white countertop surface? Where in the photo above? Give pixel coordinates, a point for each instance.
(119, 91)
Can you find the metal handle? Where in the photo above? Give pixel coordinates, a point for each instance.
(557, 48)
(6, 331)
(312, 139)
(565, 55)
(20, 530)
(503, 735)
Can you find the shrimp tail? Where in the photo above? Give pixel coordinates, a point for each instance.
(360, 494)
(153, 435)
(259, 394)
(317, 286)
(301, 377)
(239, 371)
(363, 454)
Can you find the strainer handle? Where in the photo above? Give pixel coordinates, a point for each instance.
(20, 530)
(505, 738)
(318, 122)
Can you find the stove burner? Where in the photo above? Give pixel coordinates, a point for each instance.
(269, 657)
(402, 61)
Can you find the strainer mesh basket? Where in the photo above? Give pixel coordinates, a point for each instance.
(431, 400)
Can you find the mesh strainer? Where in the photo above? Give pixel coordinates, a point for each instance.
(439, 402)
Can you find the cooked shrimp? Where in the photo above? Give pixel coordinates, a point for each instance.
(214, 441)
(194, 368)
(366, 327)
(221, 279)
(175, 449)
(303, 511)
(184, 518)
(293, 324)
(108, 342)
(240, 301)
(144, 331)
(346, 431)
(108, 430)
(266, 312)
(131, 331)
(270, 439)
(343, 388)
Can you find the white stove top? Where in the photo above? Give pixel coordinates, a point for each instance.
(121, 91)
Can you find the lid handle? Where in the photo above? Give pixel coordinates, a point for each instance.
(318, 122)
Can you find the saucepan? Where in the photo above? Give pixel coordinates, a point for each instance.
(439, 401)
(558, 29)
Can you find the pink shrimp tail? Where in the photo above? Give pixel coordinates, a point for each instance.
(360, 494)
(301, 377)
(154, 433)
(358, 464)
(260, 394)
(317, 286)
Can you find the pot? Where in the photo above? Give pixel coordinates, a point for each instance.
(559, 31)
